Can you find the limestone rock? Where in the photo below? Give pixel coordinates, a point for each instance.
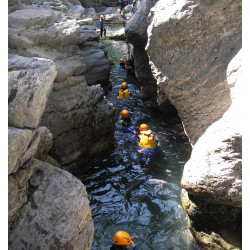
(196, 41)
(77, 11)
(213, 175)
(80, 61)
(22, 145)
(45, 144)
(136, 34)
(216, 162)
(118, 35)
(30, 82)
(56, 215)
(18, 183)
(113, 18)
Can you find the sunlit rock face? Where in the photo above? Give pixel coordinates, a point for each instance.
(190, 44)
(47, 206)
(193, 53)
(77, 112)
(212, 178)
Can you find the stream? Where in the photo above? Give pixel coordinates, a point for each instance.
(133, 192)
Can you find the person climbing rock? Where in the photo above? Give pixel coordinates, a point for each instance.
(126, 122)
(147, 139)
(101, 26)
(124, 93)
(123, 64)
(122, 240)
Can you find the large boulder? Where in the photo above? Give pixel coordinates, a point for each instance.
(190, 45)
(30, 82)
(53, 210)
(212, 178)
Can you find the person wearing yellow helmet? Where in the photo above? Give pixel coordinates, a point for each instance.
(123, 64)
(124, 93)
(101, 26)
(124, 18)
(126, 122)
(122, 240)
(147, 139)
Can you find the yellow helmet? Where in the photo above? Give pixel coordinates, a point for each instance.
(122, 238)
(122, 61)
(143, 127)
(124, 85)
(119, 11)
(125, 113)
(102, 16)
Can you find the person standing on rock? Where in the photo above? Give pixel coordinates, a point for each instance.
(101, 26)
(122, 240)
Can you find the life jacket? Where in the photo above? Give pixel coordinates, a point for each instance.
(123, 94)
(147, 140)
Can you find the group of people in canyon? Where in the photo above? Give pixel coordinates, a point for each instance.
(147, 140)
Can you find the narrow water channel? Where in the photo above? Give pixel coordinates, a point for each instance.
(140, 194)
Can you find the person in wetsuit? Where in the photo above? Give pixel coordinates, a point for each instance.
(126, 122)
(101, 26)
(122, 240)
(123, 64)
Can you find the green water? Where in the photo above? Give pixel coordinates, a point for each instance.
(133, 192)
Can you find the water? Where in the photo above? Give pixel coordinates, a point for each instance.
(133, 192)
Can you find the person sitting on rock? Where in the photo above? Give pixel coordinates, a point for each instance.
(101, 26)
(124, 93)
(147, 139)
(122, 240)
(123, 65)
(126, 122)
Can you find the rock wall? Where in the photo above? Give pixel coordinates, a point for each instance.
(136, 34)
(212, 178)
(77, 112)
(47, 207)
(190, 45)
